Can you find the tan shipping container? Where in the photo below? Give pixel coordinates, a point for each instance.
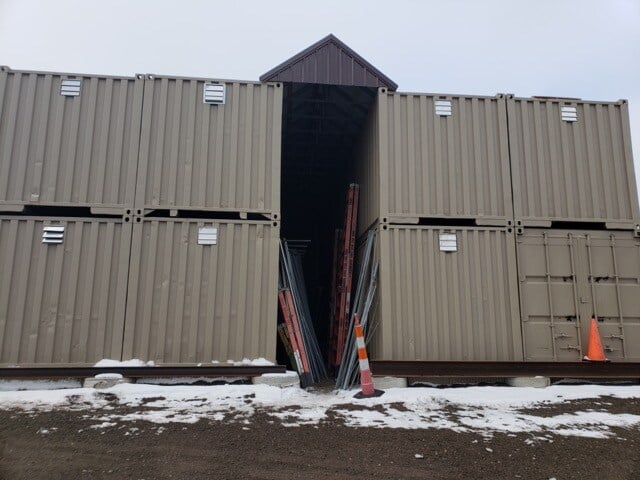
(68, 139)
(62, 289)
(367, 170)
(219, 156)
(572, 161)
(566, 278)
(444, 156)
(201, 295)
(447, 294)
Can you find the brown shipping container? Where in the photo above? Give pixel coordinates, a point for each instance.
(68, 139)
(201, 295)
(444, 156)
(219, 156)
(367, 170)
(62, 289)
(571, 161)
(447, 294)
(566, 277)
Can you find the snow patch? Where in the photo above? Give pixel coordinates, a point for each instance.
(111, 376)
(134, 362)
(104, 425)
(482, 410)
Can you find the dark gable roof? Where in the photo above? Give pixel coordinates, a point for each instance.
(329, 61)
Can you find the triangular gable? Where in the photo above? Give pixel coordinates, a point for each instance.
(329, 61)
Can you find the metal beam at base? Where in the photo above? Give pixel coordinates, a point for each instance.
(506, 369)
(141, 372)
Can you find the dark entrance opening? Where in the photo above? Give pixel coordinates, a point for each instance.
(320, 129)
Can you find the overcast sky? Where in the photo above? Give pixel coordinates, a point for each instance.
(577, 48)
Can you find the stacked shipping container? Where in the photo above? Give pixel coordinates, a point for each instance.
(141, 213)
(572, 167)
(141, 219)
(454, 185)
(442, 206)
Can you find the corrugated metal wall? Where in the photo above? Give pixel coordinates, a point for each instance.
(210, 157)
(367, 170)
(572, 170)
(566, 278)
(454, 166)
(62, 303)
(79, 150)
(196, 303)
(438, 305)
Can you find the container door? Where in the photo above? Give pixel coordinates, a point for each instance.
(549, 294)
(613, 292)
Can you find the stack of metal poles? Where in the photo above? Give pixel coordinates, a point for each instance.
(362, 305)
(311, 366)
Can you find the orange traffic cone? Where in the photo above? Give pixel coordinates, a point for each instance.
(595, 352)
(366, 379)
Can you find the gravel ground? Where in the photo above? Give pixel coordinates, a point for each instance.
(67, 445)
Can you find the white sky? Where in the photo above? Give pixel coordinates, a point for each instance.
(578, 48)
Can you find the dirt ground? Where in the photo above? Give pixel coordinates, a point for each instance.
(63, 445)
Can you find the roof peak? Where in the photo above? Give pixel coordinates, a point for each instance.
(329, 61)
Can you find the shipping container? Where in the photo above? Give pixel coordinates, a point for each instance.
(62, 289)
(447, 294)
(210, 145)
(444, 156)
(202, 290)
(572, 161)
(68, 139)
(367, 170)
(569, 277)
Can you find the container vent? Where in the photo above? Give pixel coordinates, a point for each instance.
(53, 234)
(70, 87)
(208, 235)
(443, 108)
(569, 114)
(214, 93)
(448, 242)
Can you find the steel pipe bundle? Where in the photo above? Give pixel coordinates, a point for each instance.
(295, 308)
(363, 303)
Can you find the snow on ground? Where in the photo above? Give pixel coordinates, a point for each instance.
(484, 410)
(134, 362)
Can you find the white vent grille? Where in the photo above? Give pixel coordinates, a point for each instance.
(53, 234)
(448, 242)
(214, 93)
(208, 235)
(443, 108)
(70, 87)
(569, 114)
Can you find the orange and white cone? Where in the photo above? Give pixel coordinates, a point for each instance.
(595, 352)
(366, 379)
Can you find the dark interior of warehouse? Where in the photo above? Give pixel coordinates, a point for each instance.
(320, 129)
